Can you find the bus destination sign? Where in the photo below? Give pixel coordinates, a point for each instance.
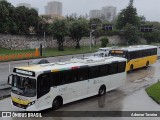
(24, 72)
(117, 51)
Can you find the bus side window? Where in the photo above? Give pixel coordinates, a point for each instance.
(93, 72)
(140, 54)
(112, 68)
(131, 55)
(103, 70)
(61, 77)
(43, 84)
(155, 51)
(121, 67)
(55, 79)
(74, 75)
(128, 56)
(147, 53)
(67, 76)
(82, 74)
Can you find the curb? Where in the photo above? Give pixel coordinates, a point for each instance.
(6, 88)
(5, 96)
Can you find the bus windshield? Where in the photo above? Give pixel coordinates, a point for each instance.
(24, 86)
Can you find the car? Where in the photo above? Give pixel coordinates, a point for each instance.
(102, 52)
(39, 61)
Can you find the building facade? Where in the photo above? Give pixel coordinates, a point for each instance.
(95, 13)
(53, 8)
(106, 13)
(109, 13)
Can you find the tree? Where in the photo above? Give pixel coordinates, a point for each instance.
(6, 22)
(77, 30)
(33, 19)
(42, 27)
(104, 41)
(128, 15)
(59, 30)
(130, 34)
(26, 18)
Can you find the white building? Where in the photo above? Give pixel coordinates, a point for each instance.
(53, 8)
(109, 13)
(95, 13)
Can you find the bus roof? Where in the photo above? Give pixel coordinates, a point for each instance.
(72, 64)
(136, 47)
(105, 48)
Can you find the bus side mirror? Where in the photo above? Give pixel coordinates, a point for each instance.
(9, 79)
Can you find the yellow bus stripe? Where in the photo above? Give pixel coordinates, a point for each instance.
(19, 101)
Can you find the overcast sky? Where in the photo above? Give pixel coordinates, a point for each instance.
(149, 8)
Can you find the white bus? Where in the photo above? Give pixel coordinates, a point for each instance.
(38, 87)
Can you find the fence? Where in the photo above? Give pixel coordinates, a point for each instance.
(20, 56)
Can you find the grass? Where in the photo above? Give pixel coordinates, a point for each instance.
(4, 51)
(154, 92)
(68, 51)
(51, 52)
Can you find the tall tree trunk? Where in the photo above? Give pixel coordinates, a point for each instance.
(77, 44)
(60, 45)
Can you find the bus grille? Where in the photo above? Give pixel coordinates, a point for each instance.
(19, 105)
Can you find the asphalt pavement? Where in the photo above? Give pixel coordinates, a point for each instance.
(7, 67)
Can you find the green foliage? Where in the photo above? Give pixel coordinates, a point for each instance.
(128, 15)
(111, 32)
(104, 41)
(153, 92)
(17, 20)
(152, 37)
(130, 34)
(95, 21)
(6, 13)
(43, 27)
(77, 30)
(59, 30)
(25, 18)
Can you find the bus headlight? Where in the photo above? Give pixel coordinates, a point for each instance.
(31, 103)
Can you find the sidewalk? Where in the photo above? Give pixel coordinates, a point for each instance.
(5, 93)
(5, 90)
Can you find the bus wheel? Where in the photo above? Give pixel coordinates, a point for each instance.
(57, 102)
(147, 64)
(131, 68)
(102, 90)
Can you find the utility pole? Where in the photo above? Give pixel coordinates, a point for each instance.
(91, 38)
(93, 28)
(44, 39)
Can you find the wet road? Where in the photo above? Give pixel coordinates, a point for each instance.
(5, 71)
(131, 97)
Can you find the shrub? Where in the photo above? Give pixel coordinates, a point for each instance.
(104, 41)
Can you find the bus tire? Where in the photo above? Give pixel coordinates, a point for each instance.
(57, 103)
(147, 64)
(102, 90)
(131, 68)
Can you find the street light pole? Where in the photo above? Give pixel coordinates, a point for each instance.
(91, 38)
(44, 39)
